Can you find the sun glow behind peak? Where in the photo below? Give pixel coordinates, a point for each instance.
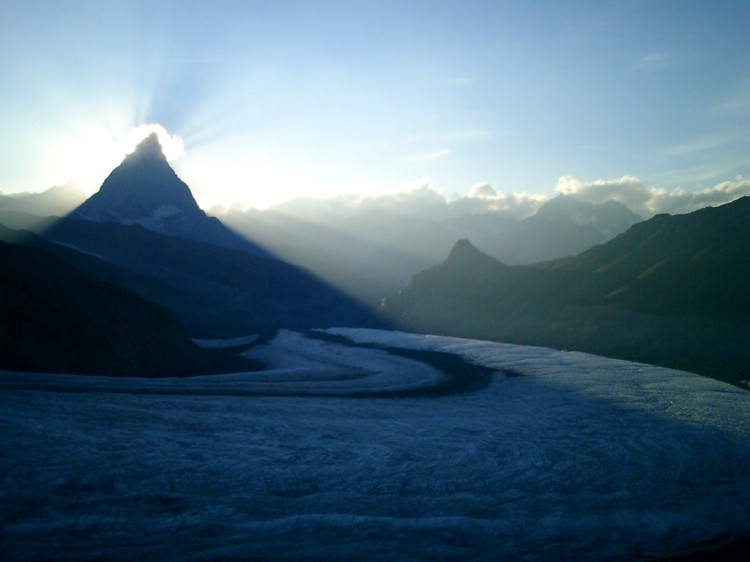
(90, 156)
(171, 145)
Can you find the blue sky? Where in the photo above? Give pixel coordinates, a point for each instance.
(279, 99)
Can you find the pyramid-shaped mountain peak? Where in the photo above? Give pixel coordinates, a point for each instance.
(465, 255)
(145, 190)
(148, 148)
(464, 249)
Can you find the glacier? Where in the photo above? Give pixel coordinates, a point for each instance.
(560, 456)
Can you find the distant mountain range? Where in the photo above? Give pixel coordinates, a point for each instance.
(366, 251)
(56, 201)
(671, 291)
(372, 252)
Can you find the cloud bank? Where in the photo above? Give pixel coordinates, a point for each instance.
(421, 202)
(424, 202)
(648, 201)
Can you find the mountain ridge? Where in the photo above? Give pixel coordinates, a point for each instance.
(373, 251)
(58, 200)
(226, 292)
(149, 257)
(670, 291)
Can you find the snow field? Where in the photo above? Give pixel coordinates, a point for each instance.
(563, 456)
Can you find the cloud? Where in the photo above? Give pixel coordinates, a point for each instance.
(648, 201)
(429, 156)
(705, 144)
(628, 190)
(483, 191)
(651, 61)
(484, 198)
(172, 145)
(427, 203)
(418, 201)
(421, 202)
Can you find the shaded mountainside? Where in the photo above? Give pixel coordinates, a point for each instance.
(145, 190)
(144, 231)
(214, 291)
(53, 318)
(671, 291)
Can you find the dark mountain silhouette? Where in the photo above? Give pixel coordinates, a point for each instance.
(145, 190)
(671, 291)
(53, 318)
(158, 243)
(149, 287)
(214, 291)
(372, 252)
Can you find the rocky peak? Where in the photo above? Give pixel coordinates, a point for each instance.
(143, 189)
(148, 149)
(463, 249)
(464, 257)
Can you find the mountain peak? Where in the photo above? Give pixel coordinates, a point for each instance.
(149, 148)
(145, 190)
(608, 219)
(465, 255)
(463, 249)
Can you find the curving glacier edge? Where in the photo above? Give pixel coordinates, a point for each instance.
(561, 455)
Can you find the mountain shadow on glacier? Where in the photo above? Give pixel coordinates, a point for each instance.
(145, 221)
(215, 292)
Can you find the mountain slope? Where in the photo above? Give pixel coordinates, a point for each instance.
(694, 263)
(145, 221)
(55, 319)
(145, 190)
(371, 252)
(58, 200)
(670, 291)
(215, 291)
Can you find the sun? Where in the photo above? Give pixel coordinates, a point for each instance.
(89, 157)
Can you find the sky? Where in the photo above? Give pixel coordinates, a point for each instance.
(264, 101)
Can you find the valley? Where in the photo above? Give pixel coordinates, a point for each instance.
(172, 390)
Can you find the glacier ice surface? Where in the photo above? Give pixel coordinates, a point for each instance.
(563, 456)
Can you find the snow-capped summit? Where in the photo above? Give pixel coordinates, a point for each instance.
(145, 190)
